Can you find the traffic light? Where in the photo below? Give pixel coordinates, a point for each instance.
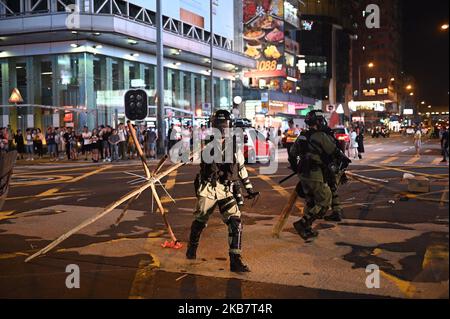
(136, 105)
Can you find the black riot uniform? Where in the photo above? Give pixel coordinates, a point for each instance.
(214, 187)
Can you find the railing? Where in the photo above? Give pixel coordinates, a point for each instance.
(119, 8)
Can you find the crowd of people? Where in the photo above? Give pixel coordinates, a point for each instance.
(101, 144)
(110, 145)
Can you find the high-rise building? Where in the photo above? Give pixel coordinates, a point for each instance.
(325, 40)
(73, 60)
(376, 76)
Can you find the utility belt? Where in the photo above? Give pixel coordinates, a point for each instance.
(202, 181)
(306, 165)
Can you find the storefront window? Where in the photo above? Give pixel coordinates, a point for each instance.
(187, 90)
(217, 92)
(132, 73)
(198, 91)
(21, 74)
(117, 70)
(150, 80)
(46, 83)
(68, 82)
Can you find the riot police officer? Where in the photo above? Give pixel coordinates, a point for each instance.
(340, 178)
(318, 161)
(214, 186)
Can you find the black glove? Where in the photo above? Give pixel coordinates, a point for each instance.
(344, 179)
(252, 194)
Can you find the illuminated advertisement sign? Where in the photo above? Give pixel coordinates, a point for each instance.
(264, 37)
(196, 12)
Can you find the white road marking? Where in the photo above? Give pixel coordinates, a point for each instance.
(379, 149)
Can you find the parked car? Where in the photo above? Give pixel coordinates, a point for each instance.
(257, 148)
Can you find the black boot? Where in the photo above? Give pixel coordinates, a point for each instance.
(235, 241)
(304, 229)
(334, 217)
(196, 231)
(236, 264)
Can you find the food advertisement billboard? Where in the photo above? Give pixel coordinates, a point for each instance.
(264, 37)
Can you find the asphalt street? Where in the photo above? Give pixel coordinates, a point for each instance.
(405, 234)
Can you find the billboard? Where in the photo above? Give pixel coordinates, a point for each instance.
(197, 12)
(264, 37)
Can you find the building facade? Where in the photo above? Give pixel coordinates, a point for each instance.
(72, 61)
(377, 64)
(325, 37)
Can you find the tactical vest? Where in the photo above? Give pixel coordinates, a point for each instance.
(223, 173)
(300, 156)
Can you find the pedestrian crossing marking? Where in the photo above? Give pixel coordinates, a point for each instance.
(413, 160)
(390, 160)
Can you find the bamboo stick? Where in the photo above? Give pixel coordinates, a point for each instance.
(91, 220)
(287, 210)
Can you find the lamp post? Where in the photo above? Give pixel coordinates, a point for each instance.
(160, 80)
(211, 47)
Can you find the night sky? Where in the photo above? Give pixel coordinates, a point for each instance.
(425, 49)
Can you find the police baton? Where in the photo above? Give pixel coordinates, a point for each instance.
(287, 178)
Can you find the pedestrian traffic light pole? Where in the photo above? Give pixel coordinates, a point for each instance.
(211, 22)
(160, 80)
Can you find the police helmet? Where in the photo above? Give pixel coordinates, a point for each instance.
(316, 118)
(221, 120)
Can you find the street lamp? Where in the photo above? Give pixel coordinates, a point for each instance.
(409, 87)
(371, 65)
(444, 27)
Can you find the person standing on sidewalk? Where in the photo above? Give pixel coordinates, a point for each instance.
(353, 149)
(151, 139)
(360, 141)
(122, 132)
(68, 136)
(20, 144)
(10, 137)
(86, 135)
(418, 141)
(114, 141)
(445, 145)
(39, 142)
(95, 148)
(50, 137)
(29, 145)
